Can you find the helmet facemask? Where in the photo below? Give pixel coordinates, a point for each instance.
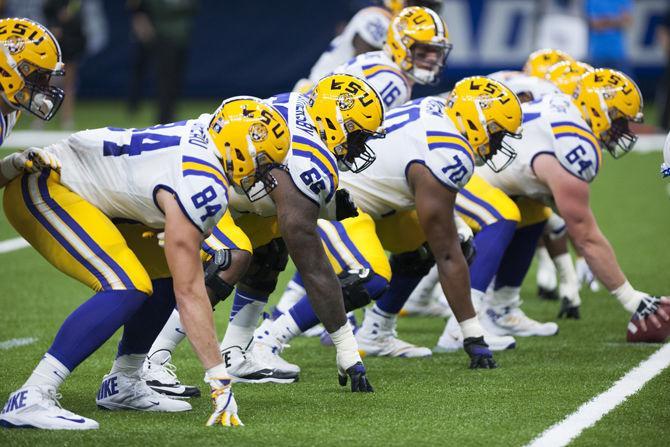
(261, 183)
(500, 153)
(355, 155)
(37, 96)
(619, 139)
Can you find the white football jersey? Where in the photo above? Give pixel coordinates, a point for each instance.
(120, 171)
(370, 24)
(379, 70)
(519, 82)
(418, 132)
(552, 125)
(7, 123)
(312, 166)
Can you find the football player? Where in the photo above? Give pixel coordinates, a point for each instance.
(407, 200)
(172, 176)
(559, 155)
(329, 130)
(29, 57)
(365, 32)
(417, 46)
(665, 167)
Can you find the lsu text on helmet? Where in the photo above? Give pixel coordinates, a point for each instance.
(485, 112)
(609, 100)
(251, 138)
(30, 56)
(347, 111)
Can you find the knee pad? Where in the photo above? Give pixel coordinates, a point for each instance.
(415, 263)
(219, 289)
(266, 264)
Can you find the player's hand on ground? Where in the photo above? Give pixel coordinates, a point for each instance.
(570, 300)
(359, 379)
(585, 276)
(649, 311)
(223, 401)
(479, 352)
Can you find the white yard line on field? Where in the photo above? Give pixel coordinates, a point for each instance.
(16, 342)
(13, 244)
(591, 412)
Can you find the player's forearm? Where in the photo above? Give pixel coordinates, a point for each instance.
(195, 313)
(321, 283)
(455, 280)
(600, 257)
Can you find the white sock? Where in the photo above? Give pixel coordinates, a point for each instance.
(170, 336)
(546, 271)
(346, 345)
(285, 328)
(291, 295)
(129, 364)
(504, 297)
(240, 331)
(48, 372)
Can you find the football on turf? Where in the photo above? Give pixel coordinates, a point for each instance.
(653, 334)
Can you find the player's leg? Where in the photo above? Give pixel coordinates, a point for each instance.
(158, 369)
(502, 308)
(493, 217)
(83, 243)
(359, 261)
(402, 235)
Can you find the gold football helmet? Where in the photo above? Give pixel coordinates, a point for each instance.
(566, 75)
(347, 111)
(485, 112)
(609, 100)
(30, 56)
(251, 138)
(539, 61)
(418, 41)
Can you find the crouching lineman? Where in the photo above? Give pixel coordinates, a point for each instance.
(329, 129)
(173, 176)
(559, 155)
(406, 202)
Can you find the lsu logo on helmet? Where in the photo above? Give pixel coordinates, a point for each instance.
(251, 138)
(485, 112)
(30, 56)
(347, 111)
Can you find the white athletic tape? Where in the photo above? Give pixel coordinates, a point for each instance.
(591, 412)
(13, 244)
(16, 342)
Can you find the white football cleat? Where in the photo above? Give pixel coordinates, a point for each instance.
(451, 339)
(250, 368)
(38, 407)
(119, 391)
(161, 376)
(513, 321)
(377, 337)
(434, 306)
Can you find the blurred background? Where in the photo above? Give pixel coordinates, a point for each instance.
(136, 62)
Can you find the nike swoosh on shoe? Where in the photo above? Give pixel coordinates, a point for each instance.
(78, 421)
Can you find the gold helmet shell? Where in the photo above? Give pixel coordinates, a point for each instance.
(566, 75)
(539, 61)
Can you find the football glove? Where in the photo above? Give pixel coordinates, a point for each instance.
(223, 401)
(570, 300)
(30, 160)
(649, 308)
(344, 205)
(585, 275)
(479, 352)
(359, 381)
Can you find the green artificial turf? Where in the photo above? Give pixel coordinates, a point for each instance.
(433, 401)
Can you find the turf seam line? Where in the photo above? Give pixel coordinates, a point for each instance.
(16, 342)
(16, 243)
(588, 414)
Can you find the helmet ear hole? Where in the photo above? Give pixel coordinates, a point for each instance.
(239, 155)
(595, 112)
(472, 125)
(330, 124)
